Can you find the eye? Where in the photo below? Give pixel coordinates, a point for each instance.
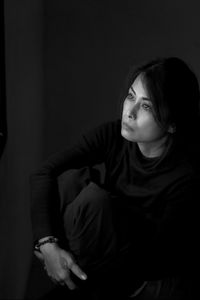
(146, 106)
(130, 96)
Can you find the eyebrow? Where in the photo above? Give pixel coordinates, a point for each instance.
(144, 98)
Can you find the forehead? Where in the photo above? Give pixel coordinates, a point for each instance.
(139, 87)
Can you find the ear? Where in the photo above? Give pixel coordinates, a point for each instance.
(172, 128)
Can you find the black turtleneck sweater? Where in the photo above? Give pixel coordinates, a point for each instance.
(161, 192)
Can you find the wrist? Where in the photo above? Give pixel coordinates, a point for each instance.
(45, 243)
(48, 248)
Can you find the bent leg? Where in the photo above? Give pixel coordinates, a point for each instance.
(70, 183)
(94, 232)
(89, 227)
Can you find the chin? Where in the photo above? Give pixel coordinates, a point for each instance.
(127, 136)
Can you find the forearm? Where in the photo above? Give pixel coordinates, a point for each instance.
(45, 198)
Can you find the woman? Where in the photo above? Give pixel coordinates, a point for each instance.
(134, 234)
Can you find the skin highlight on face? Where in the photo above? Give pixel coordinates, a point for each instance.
(138, 121)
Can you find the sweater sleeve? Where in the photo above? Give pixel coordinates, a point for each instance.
(91, 148)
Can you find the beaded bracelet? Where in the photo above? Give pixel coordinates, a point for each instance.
(50, 240)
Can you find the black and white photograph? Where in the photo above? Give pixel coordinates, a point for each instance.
(99, 149)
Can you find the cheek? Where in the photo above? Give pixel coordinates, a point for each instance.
(153, 131)
(145, 119)
(148, 123)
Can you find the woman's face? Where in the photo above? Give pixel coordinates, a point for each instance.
(138, 121)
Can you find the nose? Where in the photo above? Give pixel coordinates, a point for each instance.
(132, 113)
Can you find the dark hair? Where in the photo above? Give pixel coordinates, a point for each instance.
(174, 90)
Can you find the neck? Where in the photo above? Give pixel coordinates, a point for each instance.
(153, 149)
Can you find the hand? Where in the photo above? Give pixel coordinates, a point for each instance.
(59, 264)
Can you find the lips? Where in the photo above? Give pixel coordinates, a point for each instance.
(126, 126)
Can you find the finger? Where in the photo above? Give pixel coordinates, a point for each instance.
(56, 280)
(76, 270)
(69, 263)
(53, 280)
(39, 255)
(71, 285)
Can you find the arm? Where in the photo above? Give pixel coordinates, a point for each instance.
(89, 150)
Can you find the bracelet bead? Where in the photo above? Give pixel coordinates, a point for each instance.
(50, 240)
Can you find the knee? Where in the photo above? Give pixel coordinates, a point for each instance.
(73, 179)
(70, 183)
(93, 198)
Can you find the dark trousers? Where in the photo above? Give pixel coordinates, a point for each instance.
(98, 234)
(89, 222)
(89, 228)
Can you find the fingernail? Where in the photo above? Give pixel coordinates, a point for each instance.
(83, 276)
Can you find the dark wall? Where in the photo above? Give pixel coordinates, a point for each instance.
(24, 146)
(2, 81)
(89, 47)
(64, 71)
